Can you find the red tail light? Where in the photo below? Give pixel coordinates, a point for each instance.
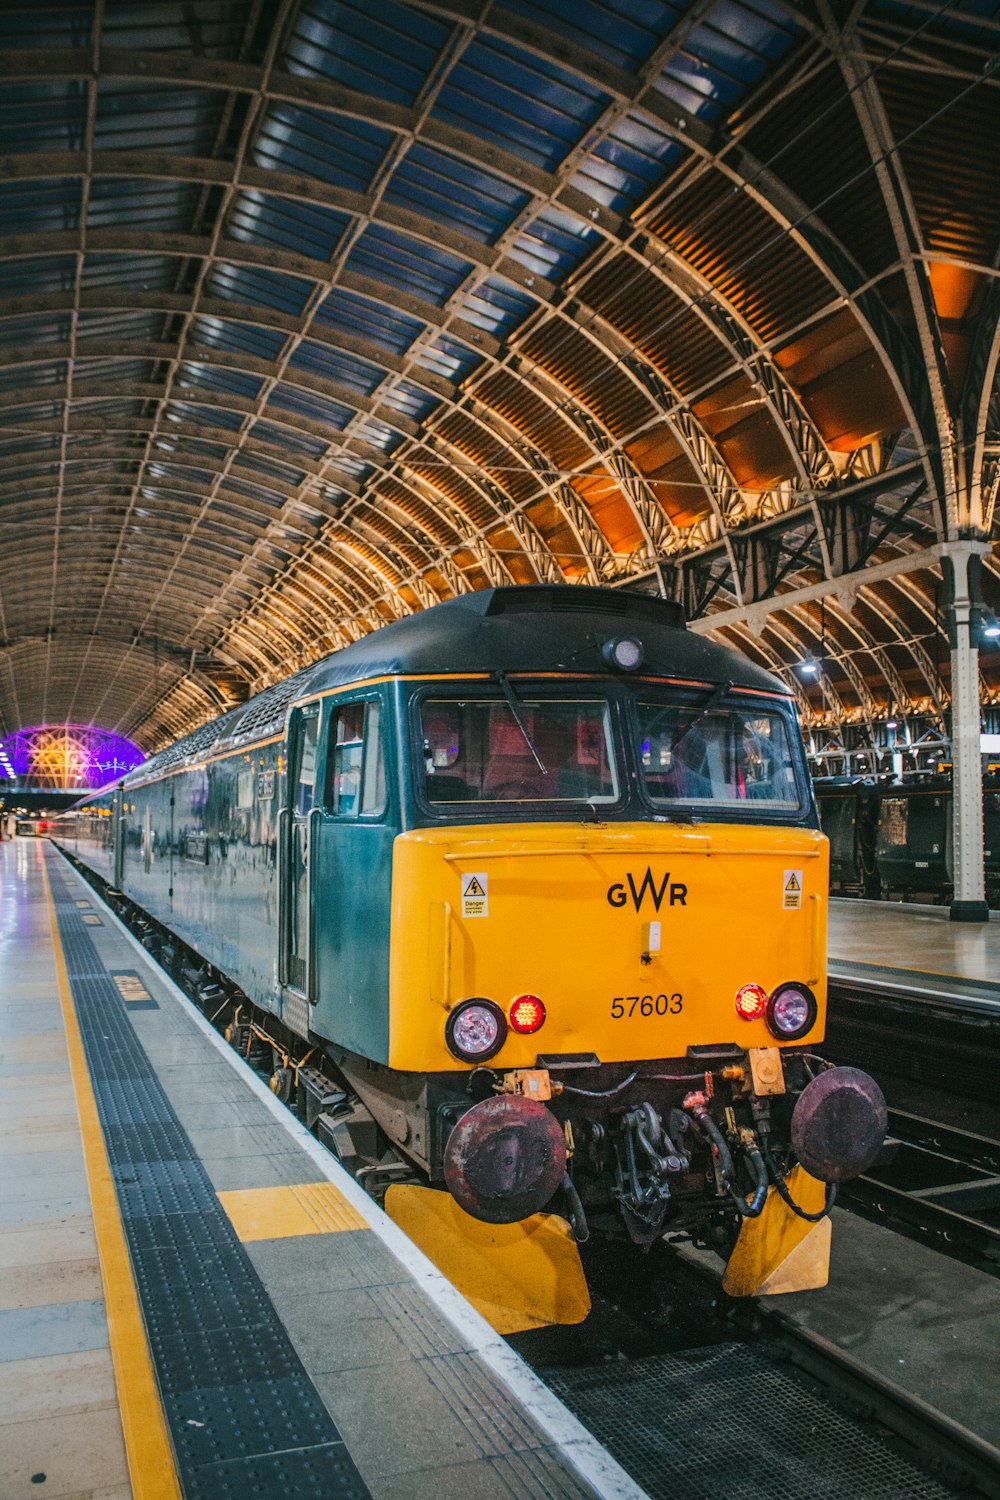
(527, 1014)
(751, 1002)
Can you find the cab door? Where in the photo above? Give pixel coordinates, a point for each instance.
(296, 827)
(352, 858)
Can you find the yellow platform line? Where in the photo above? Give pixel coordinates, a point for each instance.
(147, 1443)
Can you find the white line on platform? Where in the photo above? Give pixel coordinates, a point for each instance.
(579, 1447)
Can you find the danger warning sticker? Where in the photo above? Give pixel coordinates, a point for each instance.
(475, 895)
(791, 890)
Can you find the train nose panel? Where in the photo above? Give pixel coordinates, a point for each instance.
(504, 1159)
(839, 1124)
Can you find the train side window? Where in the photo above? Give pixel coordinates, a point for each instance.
(357, 765)
(304, 779)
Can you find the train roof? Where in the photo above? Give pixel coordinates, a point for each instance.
(520, 629)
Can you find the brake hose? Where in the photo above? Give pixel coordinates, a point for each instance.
(720, 1148)
(577, 1217)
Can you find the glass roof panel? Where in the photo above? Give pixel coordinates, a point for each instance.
(131, 204)
(43, 372)
(379, 434)
(176, 410)
(26, 24)
(132, 116)
(334, 148)
(309, 404)
(624, 32)
(259, 492)
(387, 51)
(353, 465)
(34, 330)
(410, 400)
(523, 103)
(457, 193)
(553, 243)
(271, 469)
(227, 382)
(48, 206)
(37, 276)
(255, 284)
(242, 338)
(43, 116)
(266, 219)
(128, 272)
(418, 268)
(299, 442)
(337, 365)
(626, 163)
(367, 319)
(111, 372)
(725, 55)
(212, 28)
(447, 357)
(494, 305)
(120, 326)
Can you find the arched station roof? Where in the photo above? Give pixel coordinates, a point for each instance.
(315, 313)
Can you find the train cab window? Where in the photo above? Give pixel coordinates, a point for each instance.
(476, 751)
(304, 778)
(357, 763)
(730, 756)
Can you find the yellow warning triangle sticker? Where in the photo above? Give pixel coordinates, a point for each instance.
(791, 884)
(474, 888)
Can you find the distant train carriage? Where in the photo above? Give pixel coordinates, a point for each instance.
(848, 810)
(537, 874)
(895, 839)
(913, 843)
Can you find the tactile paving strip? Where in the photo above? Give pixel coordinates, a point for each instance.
(244, 1416)
(725, 1420)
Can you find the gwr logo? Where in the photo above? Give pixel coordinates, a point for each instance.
(618, 895)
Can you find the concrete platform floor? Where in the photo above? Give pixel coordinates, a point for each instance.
(919, 938)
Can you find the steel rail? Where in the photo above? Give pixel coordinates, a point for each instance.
(959, 1215)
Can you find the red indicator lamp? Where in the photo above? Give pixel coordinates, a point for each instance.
(751, 1002)
(527, 1014)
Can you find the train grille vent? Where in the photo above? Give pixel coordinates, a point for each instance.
(570, 599)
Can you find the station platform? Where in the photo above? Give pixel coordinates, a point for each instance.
(195, 1299)
(916, 950)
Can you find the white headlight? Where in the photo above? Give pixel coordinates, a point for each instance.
(791, 1011)
(476, 1030)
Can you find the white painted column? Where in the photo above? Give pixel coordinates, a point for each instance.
(969, 901)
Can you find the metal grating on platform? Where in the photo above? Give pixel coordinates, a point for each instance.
(725, 1421)
(244, 1417)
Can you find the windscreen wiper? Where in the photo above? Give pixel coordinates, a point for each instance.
(514, 704)
(712, 701)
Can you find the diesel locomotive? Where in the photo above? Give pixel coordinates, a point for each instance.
(527, 896)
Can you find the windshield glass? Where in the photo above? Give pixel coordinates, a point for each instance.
(729, 756)
(476, 751)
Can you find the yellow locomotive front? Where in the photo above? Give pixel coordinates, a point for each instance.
(612, 916)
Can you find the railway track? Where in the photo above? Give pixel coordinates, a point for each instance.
(697, 1395)
(937, 1183)
(940, 1031)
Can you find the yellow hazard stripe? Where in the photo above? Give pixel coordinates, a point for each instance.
(147, 1443)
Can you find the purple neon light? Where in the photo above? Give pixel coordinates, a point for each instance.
(67, 755)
